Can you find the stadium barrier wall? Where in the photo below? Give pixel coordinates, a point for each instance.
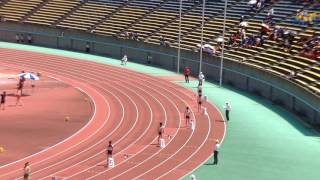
(243, 77)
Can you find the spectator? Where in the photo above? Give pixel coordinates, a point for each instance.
(29, 38)
(271, 12)
(149, 59)
(291, 75)
(135, 36)
(193, 177)
(162, 41)
(241, 19)
(88, 47)
(22, 38)
(17, 38)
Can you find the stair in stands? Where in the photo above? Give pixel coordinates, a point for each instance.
(170, 21)
(34, 10)
(70, 12)
(109, 15)
(142, 18)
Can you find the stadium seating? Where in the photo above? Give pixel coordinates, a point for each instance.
(52, 11)
(16, 10)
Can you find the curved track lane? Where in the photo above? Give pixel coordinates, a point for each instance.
(129, 107)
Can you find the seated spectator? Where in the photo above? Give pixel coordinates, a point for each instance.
(241, 19)
(135, 36)
(261, 40)
(162, 41)
(207, 48)
(264, 29)
(292, 75)
(126, 34)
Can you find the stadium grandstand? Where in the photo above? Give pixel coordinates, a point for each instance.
(265, 49)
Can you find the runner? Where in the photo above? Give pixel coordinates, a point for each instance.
(3, 100)
(200, 90)
(187, 114)
(160, 132)
(201, 78)
(20, 85)
(109, 152)
(199, 103)
(26, 171)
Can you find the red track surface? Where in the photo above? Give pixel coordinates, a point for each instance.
(128, 109)
(40, 122)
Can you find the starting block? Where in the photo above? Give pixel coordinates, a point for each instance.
(192, 125)
(204, 111)
(162, 143)
(110, 162)
(205, 98)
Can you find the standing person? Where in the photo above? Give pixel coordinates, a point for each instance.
(17, 38)
(227, 108)
(187, 114)
(124, 60)
(29, 38)
(109, 152)
(149, 59)
(26, 171)
(193, 177)
(216, 152)
(186, 72)
(22, 38)
(87, 47)
(3, 100)
(160, 132)
(201, 78)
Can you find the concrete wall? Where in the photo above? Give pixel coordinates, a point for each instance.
(255, 81)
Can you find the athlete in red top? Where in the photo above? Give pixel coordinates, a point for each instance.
(186, 72)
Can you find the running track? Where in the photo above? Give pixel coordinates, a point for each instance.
(128, 108)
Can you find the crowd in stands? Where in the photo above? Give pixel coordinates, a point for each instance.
(131, 35)
(284, 37)
(163, 42)
(311, 47)
(20, 38)
(257, 5)
(304, 17)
